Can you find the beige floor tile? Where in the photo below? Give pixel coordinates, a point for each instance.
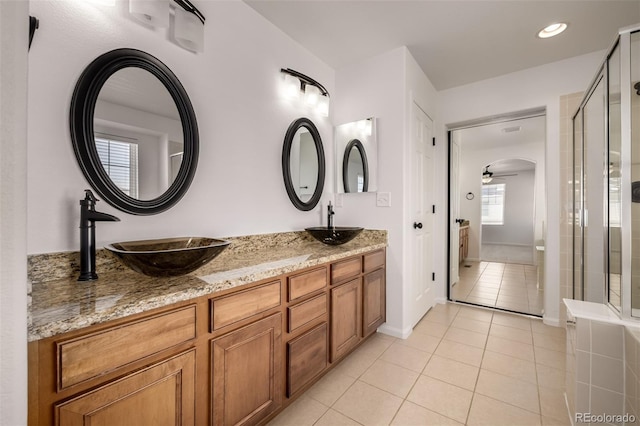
(390, 377)
(304, 411)
(542, 328)
(547, 421)
(356, 363)
(510, 347)
(368, 405)
(511, 320)
(481, 315)
(486, 411)
(510, 333)
(488, 285)
(471, 324)
(453, 372)
(550, 358)
(553, 404)
(431, 328)
(445, 307)
(331, 387)
(509, 390)
(445, 318)
(377, 344)
(467, 337)
(516, 299)
(406, 356)
(333, 418)
(549, 342)
(550, 377)
(460, 352)
(509, 366)
(421, 341)
(411, 414)
(443, 398)
(480, 301)
(513, 291)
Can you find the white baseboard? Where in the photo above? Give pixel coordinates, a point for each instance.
(553, 321)
(441, 300)
(394, 332)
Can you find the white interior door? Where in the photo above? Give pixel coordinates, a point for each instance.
(455, 210)
(422, 296)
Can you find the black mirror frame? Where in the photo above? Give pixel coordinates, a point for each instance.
(82, 109)
(286, 159)
(345, 165)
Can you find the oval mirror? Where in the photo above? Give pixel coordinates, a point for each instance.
(355, 169)
(134, 131)
(303, 166)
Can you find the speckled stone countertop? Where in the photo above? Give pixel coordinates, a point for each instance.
(59, 303)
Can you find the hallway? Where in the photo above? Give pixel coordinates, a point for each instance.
(504, 285)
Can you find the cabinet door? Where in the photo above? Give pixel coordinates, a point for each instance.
(346, 317)
(307, 357)
(374, 297)
(162, 394)
(247, 373)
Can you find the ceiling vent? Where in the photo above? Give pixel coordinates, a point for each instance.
(511, 129)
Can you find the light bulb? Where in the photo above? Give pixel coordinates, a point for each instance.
(290, 86)
(311, 95)
(152, 12)
(189, 30)
(323, 106)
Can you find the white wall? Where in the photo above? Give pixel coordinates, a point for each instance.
(473, 162)
(13, 207)
(383, 87)
(234, 88)
(531, 88)
(519, 209)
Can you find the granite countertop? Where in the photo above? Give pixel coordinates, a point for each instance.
(64, 304)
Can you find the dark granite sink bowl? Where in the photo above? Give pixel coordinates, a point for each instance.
(168, 257)
(334, 236)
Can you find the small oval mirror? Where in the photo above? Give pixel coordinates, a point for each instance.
(303, 165)
(134, 131)
(355, 169)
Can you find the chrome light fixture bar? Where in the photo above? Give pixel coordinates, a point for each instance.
(315, 94)
(189, 7)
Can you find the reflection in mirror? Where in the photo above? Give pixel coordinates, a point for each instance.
(614, 273)
(359, 160)
(635, 174)
(303, 165)
(355, 170)
(138, 133)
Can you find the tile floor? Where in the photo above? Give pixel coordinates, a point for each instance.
(461, 365)
(504, 285)
(507, 253)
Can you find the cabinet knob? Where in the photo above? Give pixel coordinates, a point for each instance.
(417, 225)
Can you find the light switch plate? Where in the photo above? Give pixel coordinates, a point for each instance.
(383, 199)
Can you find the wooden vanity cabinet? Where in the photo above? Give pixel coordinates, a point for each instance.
(464, 243)
(346, 318)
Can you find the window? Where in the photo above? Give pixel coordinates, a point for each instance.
(120, 161)
(493, 204)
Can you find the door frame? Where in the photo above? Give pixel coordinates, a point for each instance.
(449, 128)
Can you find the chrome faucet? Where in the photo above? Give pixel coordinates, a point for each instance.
(330, 214)
(88, 218)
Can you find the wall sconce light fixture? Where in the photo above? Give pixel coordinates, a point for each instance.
(365, 126)
(188, 30)
(297, 85)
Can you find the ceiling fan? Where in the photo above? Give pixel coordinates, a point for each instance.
(488, 176)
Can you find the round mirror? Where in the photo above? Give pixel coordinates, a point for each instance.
(355, 169)
(303, 165)
(134, 131)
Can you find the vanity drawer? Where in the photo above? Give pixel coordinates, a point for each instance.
(307, 283)
(305, 312)
(373, 260)
(90, 356)
(345, 269)
(238, 306)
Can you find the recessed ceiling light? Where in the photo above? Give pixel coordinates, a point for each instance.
(552, 30)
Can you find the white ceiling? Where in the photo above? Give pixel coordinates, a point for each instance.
(455, 42)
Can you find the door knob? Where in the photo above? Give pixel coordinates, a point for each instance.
(417, 225)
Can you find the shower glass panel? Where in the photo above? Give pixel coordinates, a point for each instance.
(578, 294)
(614, 211)
(593, 178)
(635, 173)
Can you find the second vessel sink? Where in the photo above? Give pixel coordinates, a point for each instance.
(335, 235)
(168, 257)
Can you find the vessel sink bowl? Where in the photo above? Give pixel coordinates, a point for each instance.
(334, 236)
(168, 257)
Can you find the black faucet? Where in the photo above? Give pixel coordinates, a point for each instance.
(88, 218)
(330, 214)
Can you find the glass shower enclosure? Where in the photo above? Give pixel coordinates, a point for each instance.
(606, 182)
